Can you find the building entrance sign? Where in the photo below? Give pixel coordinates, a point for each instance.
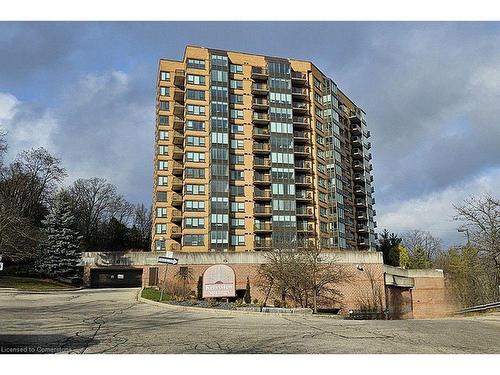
(219, 281)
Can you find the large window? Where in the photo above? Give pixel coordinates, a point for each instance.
(238, 159)
(194, 222)
(195, 141)
(236, 99)
(235, 68)
(197, 157)
(237, 175)
(195, 172)
(195, 80)
(195, 189)
(162, 180)
(237, 207)
(195, 64)
(236, 113)
(237, 240)
(193, 206)
(195, 125)
(163, 150)
(195, 109)
(163, 120)
(195, 94)
(237, 191)
(161, 212)
(161, 228)
(237, 143)
(194, 239)
(164, 105)
(236, 84)
(237, 223)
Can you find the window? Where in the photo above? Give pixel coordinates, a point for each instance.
(237, 240)
(165, 76)
(163, 120)
(218, 236)
(237, 159)
(159, 244)
(236, 99)
(219, 219)
(277, 97)
(163, 150)
(237, 143)
(281, 127)
(195, 125)
(162, 180)
(197, 157)
(195, 94)
(161, 212)
(164, 105)
(236, 128)
(161, 228)
(236, 113)
(235, 68)
(194, 206)
(219, 93)
(162, 165)
(161, 196)
(236, 84)
(195, 80)
(237, 175)
(237, 191)
(219, 76)
(237, 207)
(219, 60)
(237, 223)
(195, 172)
(195, 110)
(221, 138)
(195, 189)
(219, 109)
(195, 141)
(194, 222)
(163, 135)
(318, 97)
(194, 239)
(195, 64)
(164, 91)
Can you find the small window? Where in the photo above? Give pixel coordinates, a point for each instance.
(165, 76)
(163, 120)
(164, 91)
(164, 105)
(195, 64)
(236, 68)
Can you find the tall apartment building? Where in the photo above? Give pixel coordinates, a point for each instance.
(253, 149)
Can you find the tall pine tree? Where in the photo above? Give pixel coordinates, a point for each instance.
(59, 253)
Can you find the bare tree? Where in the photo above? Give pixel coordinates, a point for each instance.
(142, 222)
(423, 240)
(481, 217)
(3, 146)
(18, 237)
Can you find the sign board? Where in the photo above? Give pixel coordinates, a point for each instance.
(219, 281)
(120, 276)
(166, 260)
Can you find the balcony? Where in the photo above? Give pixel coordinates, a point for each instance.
(356, 129)
(300, 122)
(262, 179)
(304, 212)
(263, 210)
(260, 118)
(176, 199)
(303, 180)
(305, 227)
(176, 215)
(300, 108)
(357, 153)
(362, 228)
(179, 95)
(176, 232)
(299, 93)
(261, 227)
(261, 163)
(262, 195)
(356, 141)
(361, 216)
(176, 184)
(303, 151)
(260, 104)
(177, 168)
(178, 109)
(359, 177)
(179, 77)
(363, 242)
(179, 122)
(259, 74)
(260, 89)
(263, 244)
(261, 133)
(261, 148)
(178, 153)
(358, 165)
(299, 78)
(360, 202)
(301, 136)
(304, 195)
(355, 117)
(305, 166)
(178, 138)
(359, 190)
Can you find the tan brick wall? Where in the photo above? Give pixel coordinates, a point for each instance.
(431, 298)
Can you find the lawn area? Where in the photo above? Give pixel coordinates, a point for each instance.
(154, 295)
(28, 283)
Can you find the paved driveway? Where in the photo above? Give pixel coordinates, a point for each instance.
(112, 321)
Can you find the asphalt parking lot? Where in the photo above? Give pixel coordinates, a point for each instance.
(113, 321)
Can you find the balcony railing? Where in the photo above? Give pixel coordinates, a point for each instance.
(305, 227)
(299, 76)
(304, 211)
(263, 244)
(300, 107)
(259, 103)
(262, 178)
(263, 226)
(303, 164)
(262, 194)
(176, 215)
(300, 92)
(179, 77)
(305, 195)
(177, 168)
(259, 73)
(260, 118)
(303, 180)
(260, 88)
(261, 132)
(267, 210)
(261, 147)
(301, 135)
(298, 120)
(262, 162)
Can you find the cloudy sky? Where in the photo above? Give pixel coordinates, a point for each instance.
(431, 91)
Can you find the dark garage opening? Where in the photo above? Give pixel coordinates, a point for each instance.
(115, 278)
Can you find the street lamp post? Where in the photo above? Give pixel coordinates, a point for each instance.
(466, 230)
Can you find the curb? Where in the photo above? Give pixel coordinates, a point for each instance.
(216, 311)
(31, 291)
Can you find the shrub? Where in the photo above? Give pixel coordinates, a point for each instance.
(247, 296)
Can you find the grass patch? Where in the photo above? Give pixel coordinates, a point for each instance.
(154, 295)
(30, 283)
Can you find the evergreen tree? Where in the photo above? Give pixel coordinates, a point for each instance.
(389, 246)
(419, 259)
(247, 297)
(59, 253)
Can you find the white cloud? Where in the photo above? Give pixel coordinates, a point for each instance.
(8, 104)
(434, 212)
